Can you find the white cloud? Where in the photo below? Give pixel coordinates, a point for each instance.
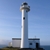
(4, 42)
(6, 17)
(45, 42)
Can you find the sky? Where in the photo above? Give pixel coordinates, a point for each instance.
(38, 20)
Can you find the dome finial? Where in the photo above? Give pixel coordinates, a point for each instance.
(24, 3)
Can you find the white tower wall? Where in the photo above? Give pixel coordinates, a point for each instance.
(24, 39)
(24, 36)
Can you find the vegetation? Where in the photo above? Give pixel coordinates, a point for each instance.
(9, 48)
(12, 48)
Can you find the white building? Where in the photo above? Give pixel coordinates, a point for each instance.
(33, 42)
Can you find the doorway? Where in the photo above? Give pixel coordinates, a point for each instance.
(37, 45)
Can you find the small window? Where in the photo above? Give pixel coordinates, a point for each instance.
(24, 18)
(30, 43)
(26, 11)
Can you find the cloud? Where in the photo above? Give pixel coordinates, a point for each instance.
(10, 25)
(39, 26)
(6, 17)
(4, 42)
(45, 42)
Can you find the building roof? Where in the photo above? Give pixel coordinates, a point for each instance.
(28, 39)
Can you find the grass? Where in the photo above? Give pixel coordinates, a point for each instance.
(9, 48)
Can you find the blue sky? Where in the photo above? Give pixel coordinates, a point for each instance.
(38, 20)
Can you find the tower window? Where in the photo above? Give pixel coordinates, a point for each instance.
(30, 43)
(26, 11)
(24, 18)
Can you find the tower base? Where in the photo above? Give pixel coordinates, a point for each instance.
(31, 49)
(25, 49)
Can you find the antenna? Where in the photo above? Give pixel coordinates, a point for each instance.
(35, 36)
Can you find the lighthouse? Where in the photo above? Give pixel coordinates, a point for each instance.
(25, 43)
(25, 8)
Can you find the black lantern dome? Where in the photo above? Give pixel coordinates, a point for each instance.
(24, 3)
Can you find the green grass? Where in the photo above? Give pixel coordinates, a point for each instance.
(9, 48)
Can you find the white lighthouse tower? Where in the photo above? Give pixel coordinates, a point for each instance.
(24, 34)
